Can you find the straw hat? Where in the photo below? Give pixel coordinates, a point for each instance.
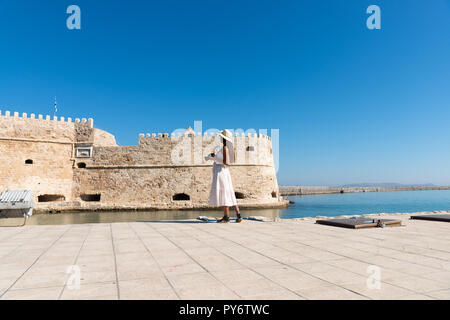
(226, 134)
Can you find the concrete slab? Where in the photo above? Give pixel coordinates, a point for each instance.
(33, 294)
(91, 291)
(251, 260)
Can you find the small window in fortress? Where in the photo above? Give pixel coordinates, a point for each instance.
(239, 195)
(81, 165)
(51, 197)
(83, 152)
(28, 161)
(90, 197)
(181, 196)
(250, 148)
(274, 194)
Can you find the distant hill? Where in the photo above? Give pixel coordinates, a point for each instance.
(387, 184)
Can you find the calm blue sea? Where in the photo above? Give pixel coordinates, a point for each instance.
(305, 206)
(367, 202)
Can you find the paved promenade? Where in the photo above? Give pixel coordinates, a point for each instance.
(251, 260)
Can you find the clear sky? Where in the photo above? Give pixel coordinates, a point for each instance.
(352, 104)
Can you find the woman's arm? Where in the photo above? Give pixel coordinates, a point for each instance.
(225, 155)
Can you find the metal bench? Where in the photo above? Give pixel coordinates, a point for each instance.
(16, 203)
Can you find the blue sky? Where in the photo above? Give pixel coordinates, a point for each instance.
(352, 104)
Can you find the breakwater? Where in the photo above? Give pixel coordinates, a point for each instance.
(308, 190)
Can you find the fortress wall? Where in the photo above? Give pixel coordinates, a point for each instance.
(48, 142)
(165, 150)
(178, 150)
(50, 173)
(146, 175)
(155, 187)
(151, 173)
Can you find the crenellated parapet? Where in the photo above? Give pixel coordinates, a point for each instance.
(7, 115)
(205, 135)
(44, 128)
(190, 148)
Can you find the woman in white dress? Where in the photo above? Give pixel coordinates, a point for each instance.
(222, 192)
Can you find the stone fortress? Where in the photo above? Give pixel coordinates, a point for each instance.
(71, 166)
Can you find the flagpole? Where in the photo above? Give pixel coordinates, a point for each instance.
(56, 108)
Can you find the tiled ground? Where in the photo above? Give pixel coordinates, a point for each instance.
(251, 260)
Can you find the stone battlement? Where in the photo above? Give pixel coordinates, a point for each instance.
(15, 115)
(199, 134)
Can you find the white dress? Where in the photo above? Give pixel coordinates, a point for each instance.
(222, 191)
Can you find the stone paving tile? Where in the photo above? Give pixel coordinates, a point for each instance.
(275, 295)
(440, 294)
(162, 294)
(330, 293)
(290, 278)
(91, 291)
(33, 294)
(36, 279)
(200, 286)
(217, 262)
(418, 284)
(416, 297)
(12, 270)
(153, 288)
(96, 276)
(442, 276)
(249, 258)
(281, 260)
(247, 283)
(182, 268)
(386, 291)
(95, 263)
(138, 271)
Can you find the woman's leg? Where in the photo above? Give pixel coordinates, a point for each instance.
(238, 213)
(226, 211)
(226, 215)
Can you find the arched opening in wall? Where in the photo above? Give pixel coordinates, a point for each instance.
(81, 165)
(28, 161)
(90, 197)
(180, 197)
(239, 195)
(51, 197)
(274, 194)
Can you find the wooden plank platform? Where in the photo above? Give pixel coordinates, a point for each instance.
(359, 223)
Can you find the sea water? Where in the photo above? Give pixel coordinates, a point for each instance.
(366, 202)
(303, 206)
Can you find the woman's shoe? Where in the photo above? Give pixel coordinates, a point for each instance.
(225, 219)
(238, 218)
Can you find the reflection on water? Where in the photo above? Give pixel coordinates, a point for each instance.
(128, 216)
